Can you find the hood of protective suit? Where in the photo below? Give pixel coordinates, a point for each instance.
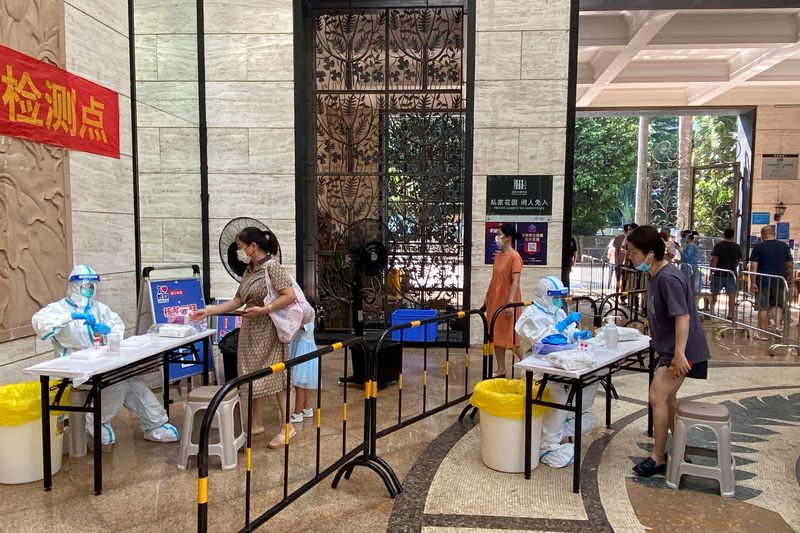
(82, 274)
(541, 298)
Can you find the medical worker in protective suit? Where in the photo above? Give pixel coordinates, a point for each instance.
(71, 324)
(546, 322)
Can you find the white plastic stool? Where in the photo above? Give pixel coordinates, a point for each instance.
(718, 419)
(228, 418)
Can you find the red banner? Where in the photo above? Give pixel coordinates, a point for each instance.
(44, 103)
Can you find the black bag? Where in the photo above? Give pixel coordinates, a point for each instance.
(229, 346)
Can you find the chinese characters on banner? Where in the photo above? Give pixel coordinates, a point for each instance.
(46, 104)
(532, 246)
(519, 198)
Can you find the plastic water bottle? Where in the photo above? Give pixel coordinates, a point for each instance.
(612, 334)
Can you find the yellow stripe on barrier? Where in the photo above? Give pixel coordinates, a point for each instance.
(447, 368)
(277, 368)
(202, 490)
(486, 351)
(527, 302)
(286, 431)
(424, 377)
(400, 382)
(491, 349)
(461, 314)
(344, 412)
(374, 389)
(367, 389)
(466, 360)
(337, 346)
(247, 463)
(415, 323)
(319, 417)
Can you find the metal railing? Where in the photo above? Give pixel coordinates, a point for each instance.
(363, 451)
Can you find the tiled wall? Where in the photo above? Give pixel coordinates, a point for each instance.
(777, 132)
(102, 195)
(250, 103)
(522, 51)
(168, 132)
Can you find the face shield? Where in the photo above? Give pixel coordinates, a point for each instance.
(550, 294)
(82, 285)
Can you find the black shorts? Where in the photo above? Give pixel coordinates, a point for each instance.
(698, 371)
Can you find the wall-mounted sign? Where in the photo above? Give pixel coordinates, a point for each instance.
(779, 166)
(760, 217)
(782, 231)
(519, 198)
(531, 246)
(44, 103)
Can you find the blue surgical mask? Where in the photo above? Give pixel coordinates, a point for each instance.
(87, 292)
(558, 302)
(644, 267)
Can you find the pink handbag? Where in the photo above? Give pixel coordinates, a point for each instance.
(289, 320)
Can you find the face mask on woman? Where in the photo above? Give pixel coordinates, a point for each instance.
(644, 267)
(498, 240)
(242, 256)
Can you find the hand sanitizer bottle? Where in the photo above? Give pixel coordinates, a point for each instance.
(612, 334)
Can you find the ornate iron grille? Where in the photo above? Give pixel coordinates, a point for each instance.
(665, 164)
(389, 129)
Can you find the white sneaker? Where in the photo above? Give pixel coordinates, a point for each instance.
(107, 436)
(308, 413)
(296, 417)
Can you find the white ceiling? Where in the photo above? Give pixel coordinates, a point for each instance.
(689, 58)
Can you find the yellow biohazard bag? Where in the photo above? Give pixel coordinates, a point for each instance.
(21, 403)
(506, 398)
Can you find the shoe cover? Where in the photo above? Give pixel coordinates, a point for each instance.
(588, 421)
(107, 436)
(163, 433)
(559, 457)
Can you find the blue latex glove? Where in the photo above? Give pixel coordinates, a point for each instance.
(100, 329)
(78, 316)
(572, 318)
(557, 339)
(90, 320)
(582, 335)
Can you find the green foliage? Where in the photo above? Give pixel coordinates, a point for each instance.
(714, 142)
(605, 160)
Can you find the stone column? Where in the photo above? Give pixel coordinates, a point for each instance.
(685, 174)
(642, 213)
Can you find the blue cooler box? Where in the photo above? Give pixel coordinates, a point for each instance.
(428, 332)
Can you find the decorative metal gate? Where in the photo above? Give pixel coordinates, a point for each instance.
(389, 129)
(666, 162)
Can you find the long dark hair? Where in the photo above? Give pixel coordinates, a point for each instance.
(648, 239)
(266, 240)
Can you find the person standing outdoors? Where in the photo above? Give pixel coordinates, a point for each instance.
(725, 255)
(619, 255)
(772, 257)
(677, 336)
(504, 289)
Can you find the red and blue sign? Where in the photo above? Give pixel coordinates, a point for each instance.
(171, 300)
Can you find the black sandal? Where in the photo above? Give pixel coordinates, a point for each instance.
(648, 468)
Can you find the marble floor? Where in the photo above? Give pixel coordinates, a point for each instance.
(446, 486)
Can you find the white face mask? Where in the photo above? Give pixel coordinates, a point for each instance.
(498, 240)
(242, 256)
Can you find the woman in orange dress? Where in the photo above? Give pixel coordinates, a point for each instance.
(504, 289)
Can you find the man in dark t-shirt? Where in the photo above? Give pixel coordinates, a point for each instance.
(772, 257)
(725, 256)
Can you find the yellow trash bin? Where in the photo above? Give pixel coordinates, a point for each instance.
(21, 433)
(502, 405)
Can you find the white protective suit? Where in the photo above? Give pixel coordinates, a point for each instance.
(534, 324)
(56, 323)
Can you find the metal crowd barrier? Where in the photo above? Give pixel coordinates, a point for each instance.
(597, 278)
(347, 453)
(364, 451)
